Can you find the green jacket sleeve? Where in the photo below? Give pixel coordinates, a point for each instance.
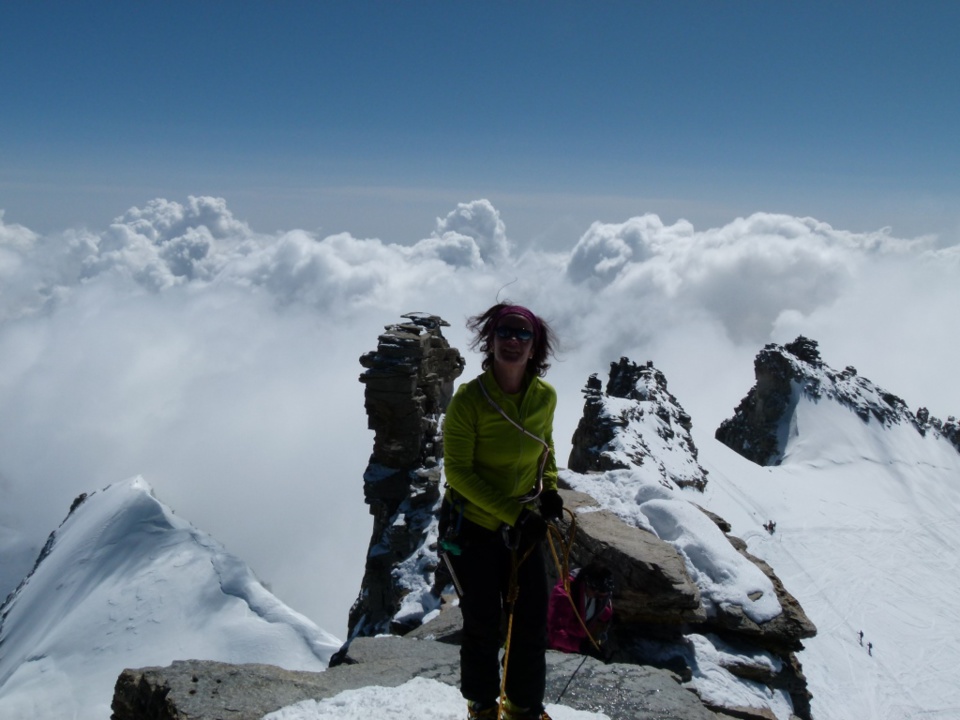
(460, 439)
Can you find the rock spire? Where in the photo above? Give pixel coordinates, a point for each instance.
(408, 382)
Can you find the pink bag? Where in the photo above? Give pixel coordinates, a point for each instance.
(591, 589)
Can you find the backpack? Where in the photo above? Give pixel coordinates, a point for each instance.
(580, 603)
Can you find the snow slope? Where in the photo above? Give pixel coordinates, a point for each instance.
(867, 539)
(125, 583)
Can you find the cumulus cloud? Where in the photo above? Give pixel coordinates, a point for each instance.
(480, 222)
(221, 363)
(167, 244)
(746, 273)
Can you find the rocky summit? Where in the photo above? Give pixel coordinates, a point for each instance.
(632, 424)
(784, 373)
(635, 421)
(206, 690)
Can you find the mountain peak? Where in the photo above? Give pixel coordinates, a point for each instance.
(636, 422)
(765, 420)
(125, 581)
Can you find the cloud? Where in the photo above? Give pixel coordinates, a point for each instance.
(606, 249)
(480, 222)
(221, 363)
(218, 362)
(166, 244)
(745, 273)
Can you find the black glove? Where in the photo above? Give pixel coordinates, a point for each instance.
(551, 505)
(529, 529)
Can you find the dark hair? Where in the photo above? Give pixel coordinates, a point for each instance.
(484, 325)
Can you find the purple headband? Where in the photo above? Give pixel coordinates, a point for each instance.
(522, 312)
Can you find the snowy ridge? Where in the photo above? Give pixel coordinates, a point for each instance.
(817, 380)
(864, 498)
(765, 422)
(818, 432)
(125, 583)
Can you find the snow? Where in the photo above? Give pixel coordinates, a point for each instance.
(866, 539)
(128, 584)
(717, 684)
(723, 575)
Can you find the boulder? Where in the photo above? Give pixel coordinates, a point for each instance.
(652, 582)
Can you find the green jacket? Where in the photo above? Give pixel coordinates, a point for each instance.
(488, 462)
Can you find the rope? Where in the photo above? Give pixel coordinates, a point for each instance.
(563, 569)
(544, 456)
(513, 590)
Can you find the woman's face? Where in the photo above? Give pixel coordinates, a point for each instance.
(513, 341)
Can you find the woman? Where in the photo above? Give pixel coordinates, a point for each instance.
(499, 464)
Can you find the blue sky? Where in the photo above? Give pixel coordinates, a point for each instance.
(377, 117)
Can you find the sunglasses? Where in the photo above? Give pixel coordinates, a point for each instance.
(505, 333)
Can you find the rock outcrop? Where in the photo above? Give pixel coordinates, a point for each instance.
(759, 426)
(408, 383)
(653, 585)
(633, 423)
(206, 690)
(950, 429)
(658, 607)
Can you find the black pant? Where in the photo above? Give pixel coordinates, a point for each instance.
(483, 569)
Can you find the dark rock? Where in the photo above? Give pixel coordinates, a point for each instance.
(612, 436)
(755, 431)
(408, 384)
